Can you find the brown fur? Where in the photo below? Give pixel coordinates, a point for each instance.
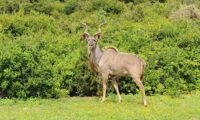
(109, 62)
(115, 49)
(92, 65)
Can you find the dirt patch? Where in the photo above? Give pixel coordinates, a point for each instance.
(188, 12)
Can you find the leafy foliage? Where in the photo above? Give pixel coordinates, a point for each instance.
(41, 54)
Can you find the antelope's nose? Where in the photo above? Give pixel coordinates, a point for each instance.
(91, 44)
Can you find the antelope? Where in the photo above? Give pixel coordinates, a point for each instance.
(109, 63)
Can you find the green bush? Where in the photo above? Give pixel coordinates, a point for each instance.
(70, 7)
(110, 6)
(143, 1)
(10, 6)
(41, 54)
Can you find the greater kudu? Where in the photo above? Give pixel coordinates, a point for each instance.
(110, 62)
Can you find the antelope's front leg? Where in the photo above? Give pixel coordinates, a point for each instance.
(104, 82)
(114, 82)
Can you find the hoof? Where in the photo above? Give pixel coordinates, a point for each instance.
(103, 100)
(145, 104)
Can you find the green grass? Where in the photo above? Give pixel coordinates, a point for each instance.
(186, 107)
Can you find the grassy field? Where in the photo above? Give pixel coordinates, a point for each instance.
(186, 107)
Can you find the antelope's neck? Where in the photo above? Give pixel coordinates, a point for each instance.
(95, 55)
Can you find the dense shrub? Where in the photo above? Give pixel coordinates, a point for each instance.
(10, 6)
(142, 1)
(110, 6)
(70, 6)
(41, 54)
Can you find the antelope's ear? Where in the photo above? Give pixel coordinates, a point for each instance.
(97, 35)
(85, 36)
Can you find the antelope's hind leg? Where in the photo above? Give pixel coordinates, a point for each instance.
(142, 89)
